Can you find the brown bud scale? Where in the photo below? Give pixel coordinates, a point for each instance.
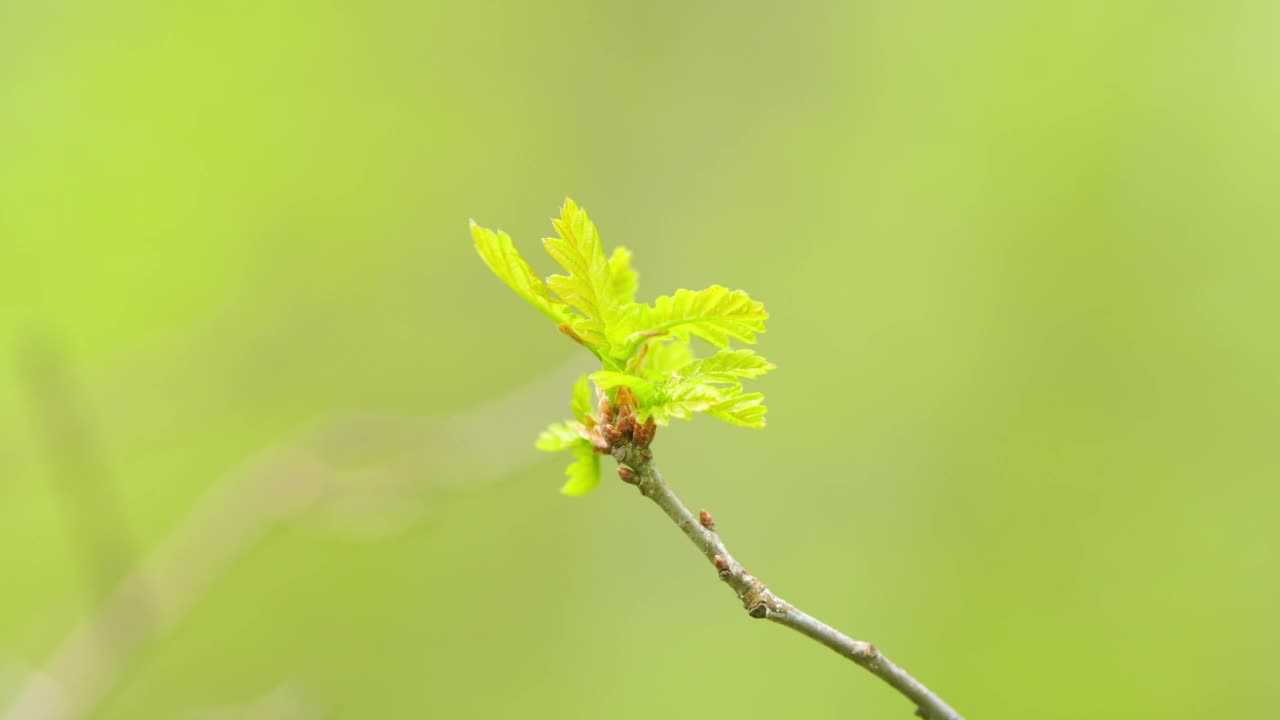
(612, 434)
(624, 398)
(644, 434)
(598, 441)
(626, 421)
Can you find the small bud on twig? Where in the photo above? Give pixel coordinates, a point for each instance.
(720, 563)
(707, 521)
(628, 476)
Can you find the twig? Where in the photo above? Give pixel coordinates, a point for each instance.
(636, 462)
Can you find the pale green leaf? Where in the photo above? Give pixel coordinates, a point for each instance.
(500, 254)
(679, 402)
(581, 404)
(659, 358)
(558, 437)
(578, 251)
(626, 321)
(726, 366)
(622, 279)
(715, 314)
(745, 410)
(609, 379)
(590, 330)
(584, 473)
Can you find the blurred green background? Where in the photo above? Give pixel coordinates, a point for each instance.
(266, 420)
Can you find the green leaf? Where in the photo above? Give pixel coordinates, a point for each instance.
(745, 410)
(693, 388)
(622, 279)
(577, 249)
(609, 379)
(683, 400)
(584, 473)
(590, 331)
(558, 437)
(581, 403)
(679, 401)
(659, 358)
(715, 314)
(726, 366)
(500, 254)
(645, 390)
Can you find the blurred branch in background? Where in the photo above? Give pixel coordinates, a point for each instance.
(315, 476)
(82, 484)
(77, 472)
(284, 702)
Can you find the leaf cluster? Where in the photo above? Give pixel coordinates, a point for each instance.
(646, 347)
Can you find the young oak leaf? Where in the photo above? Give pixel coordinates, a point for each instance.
(581, 403)
(577, 249)
(645, 390)
(500, 254)
(583, 473)
(622, 279)
(726, 366)
(601, 289)
(658, 358)
(738, 409)
(683, 399)
(680, 401)
(715, 314)
(693, 388)
(558, 437)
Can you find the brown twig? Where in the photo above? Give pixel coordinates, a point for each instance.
(636, 468)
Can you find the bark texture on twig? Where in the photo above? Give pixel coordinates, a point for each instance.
(636, 467)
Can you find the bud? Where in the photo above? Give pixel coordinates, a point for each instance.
(625, 397)
(707, 521)
(612, 434)
(626, 420)
(627, 475)
(720, 563)
(644, 434)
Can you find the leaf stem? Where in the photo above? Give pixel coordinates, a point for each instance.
(759, 600)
